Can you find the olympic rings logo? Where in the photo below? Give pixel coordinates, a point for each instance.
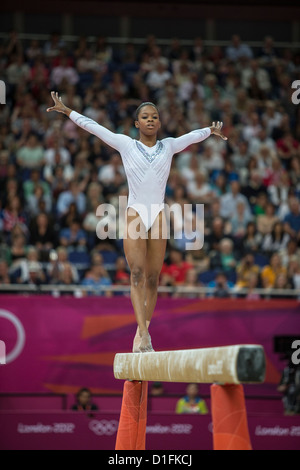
(103, 427)
(20, 335)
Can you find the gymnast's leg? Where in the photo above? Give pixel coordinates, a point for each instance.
(135, 252)
(156, 248)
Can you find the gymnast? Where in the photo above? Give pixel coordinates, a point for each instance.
(147, 163)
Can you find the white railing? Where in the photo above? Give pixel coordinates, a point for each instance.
(194, 292)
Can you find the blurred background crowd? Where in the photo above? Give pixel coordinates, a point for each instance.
(54, 175)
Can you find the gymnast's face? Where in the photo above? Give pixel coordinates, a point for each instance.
(148, 121)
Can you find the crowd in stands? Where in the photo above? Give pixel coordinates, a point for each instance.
(54, 175)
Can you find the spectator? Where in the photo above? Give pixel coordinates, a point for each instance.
(221, 286)
(42, 235)
(73, 194)
(98, 279)
(270, 272)
(276, 240)
(122, 276)
(266, 221)
(73, 237)
(238, 50)
(157, 389)
(31, 155)
(64, 74)
(224, 259)
(292, 219)
(191, 285)
(84, 401)
(253, 283)
(191, 403)
(245, 269)
(240, 221)
(176, 270)
(252, 240)
(58, 260)
(229, 201)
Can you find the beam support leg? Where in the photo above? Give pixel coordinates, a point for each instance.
(229, 417)
(131, 433)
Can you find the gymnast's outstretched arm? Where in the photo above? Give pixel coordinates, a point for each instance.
(180, 143)
(115, 141)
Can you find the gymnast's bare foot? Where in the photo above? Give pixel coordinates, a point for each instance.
(146, 345)
(142, 343)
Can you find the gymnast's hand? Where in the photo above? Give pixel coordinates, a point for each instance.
(58, 105)
(216, 129)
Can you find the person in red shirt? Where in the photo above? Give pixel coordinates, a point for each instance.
(177, 269)
(287, 148)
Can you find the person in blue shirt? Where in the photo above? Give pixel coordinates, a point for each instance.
(73, 236)
(97, 278)
(292, 219)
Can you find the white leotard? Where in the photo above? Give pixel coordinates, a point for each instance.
(147, 168)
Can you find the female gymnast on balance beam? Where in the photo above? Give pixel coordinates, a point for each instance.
(147, 163)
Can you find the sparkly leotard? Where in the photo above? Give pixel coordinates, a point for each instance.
(147, 168)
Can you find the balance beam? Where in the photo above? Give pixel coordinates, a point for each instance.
(225, 365)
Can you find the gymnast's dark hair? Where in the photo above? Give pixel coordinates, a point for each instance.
(147, 103)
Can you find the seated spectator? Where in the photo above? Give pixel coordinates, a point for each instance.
(294, 272)
(253, 190)
(283, 282)
(238, 50)
(266, 221)
(287, 148)
(245, 270)
(229, 201)
(292, 219)
(251, 71)
(216, 234)
(122, 276)
(58, 259)
(211, 159)
(252, 240)
(34, 181)
(191, 403)
(97, 278)
(29, 270)
(42, 235)
(221, 286)
(31, 155)
(74, 236)
(38, 201)
(157, 389)
(260, 144)
(253, 283)
(177, 268)
(276, 240)
(191, 283)
(270, 272)
(13, 215)
(73, 194)
(64, 74)
(18, 245)
(291, 251)
(84, 401)
(240, 221)
(65, 276)
(225, 259)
